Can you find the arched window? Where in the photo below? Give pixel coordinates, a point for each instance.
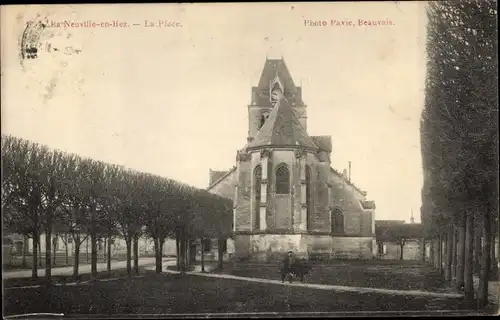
(257, 186)
(282, 179)
(337, 221)
(308, 196)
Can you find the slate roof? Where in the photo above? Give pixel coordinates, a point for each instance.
(276, 68)
(219, 179)
(347, 181)
(394, 231)
(273, 68)
(216, 175)
(282, 128)
(388, 222)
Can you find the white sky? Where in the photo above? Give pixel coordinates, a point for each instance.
(174, 101)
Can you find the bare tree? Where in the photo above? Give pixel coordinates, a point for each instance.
(52, 178)
(161, 198)
(72, 220)
(124, 188)
(110, 206)
(25, 200)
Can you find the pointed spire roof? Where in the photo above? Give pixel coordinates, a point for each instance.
(282, 128)
(276, 68)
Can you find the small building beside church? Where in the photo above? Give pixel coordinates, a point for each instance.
(286, 195)
(397, 240)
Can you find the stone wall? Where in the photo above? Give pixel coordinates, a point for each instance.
(366, 223)
(271, 247)
(412, 250)
(352, 248)
(243, 219)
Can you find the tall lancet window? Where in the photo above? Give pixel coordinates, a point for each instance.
(337, 221)
(282, 179)
(257, 186)
(308, 197)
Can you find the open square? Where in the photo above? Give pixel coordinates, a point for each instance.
(175, 294)
(170, 293)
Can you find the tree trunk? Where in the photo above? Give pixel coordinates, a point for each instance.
(76, 266)
(477, 250)
(54, 249)
(449, 253)
(48, 250)
(87, 249)
(454, 261)
(401, 247)
(40, 251)
(497, 251)
(157, 254)
(445, 250)
(482, 295)
(128, 242)
(431, 252)
(186, 253)
(182, 251)
(178, 249)
(460, 257)
(221, 252)
(440, 253)
(93, 260)
(104, 249)
(202, 254)
(136, 255)
(190, 252)
(493, 258)
(66, 253)
(34, 266)
(469, 258)
(25, 250)
(109, 254)
(436, 252)
(423, 250)
(161, 242)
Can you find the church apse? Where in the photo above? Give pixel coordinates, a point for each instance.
(286, 195)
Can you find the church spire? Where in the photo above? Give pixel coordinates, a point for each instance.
(412, 219)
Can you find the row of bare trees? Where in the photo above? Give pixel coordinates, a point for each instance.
(46, 191)
(459, 142)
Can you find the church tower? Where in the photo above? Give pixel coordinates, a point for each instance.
(275, 81)
(285, 194)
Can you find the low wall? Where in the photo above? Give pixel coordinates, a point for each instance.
(270, 247)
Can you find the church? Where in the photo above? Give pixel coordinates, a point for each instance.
(285, 193)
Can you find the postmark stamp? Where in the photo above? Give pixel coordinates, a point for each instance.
(30, 39)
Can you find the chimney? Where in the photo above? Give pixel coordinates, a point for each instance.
(349, 171)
